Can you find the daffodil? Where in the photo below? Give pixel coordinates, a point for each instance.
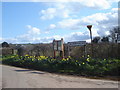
(76, 60)
(26, 55)
(83, 56)
(39, 59)
(12, 56)
(32, 59)
(88, 59)
(83, 63)
(88, 55)
(67, 59)
(63, 59)
(52, 59)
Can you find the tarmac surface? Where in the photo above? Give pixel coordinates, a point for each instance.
(14, 77)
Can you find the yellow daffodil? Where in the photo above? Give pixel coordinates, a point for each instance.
(76, 60)
(88, 55)
(88, 59)
(63, 59)
(67, 58)
(26, 55)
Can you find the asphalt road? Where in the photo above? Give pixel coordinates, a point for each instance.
(14, 77)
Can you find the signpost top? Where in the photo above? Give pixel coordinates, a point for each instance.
(89, 27)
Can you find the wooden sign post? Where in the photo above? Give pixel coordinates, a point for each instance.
(89, 27)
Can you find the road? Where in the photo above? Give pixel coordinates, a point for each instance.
(14, 77)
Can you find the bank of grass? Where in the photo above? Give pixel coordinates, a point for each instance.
(82, 66)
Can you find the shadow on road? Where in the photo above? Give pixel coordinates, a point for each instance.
(31, 71)
(38, 72)
(22, 70)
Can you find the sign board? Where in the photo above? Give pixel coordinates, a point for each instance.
(118, 39)
(58, 45)
(55, 45)
(78, 43)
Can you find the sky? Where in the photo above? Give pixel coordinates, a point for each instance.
(37, 21)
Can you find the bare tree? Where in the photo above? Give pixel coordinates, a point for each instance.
(96, 39)
(105, 39)
(114, 33)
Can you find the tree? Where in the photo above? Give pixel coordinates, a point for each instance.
(5, 44)
(96, 39)
(114, 32)
(105, 39)
(21, 50)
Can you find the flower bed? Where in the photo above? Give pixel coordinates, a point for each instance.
(82, 66)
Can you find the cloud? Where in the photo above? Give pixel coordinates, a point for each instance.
(77, 36)
(102, 22)
(31, 35)
(115, 10)
(69, 24)
(68, 8)
(56, 11)
(103, 4)
(33, 30)
(9, 40)
(49, 13)
(52, 26)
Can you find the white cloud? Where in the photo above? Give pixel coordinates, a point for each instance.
(115, 9)
(49, 39)
(67, 8)
(69, 24)
(33, 30)
(29, 26)
(9, 40)
(49, 13)
(56, 11)
(31, 36)
(76, 36)
(102, 22)
(52, 26)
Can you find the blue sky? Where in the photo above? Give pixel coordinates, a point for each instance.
(41, 22)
